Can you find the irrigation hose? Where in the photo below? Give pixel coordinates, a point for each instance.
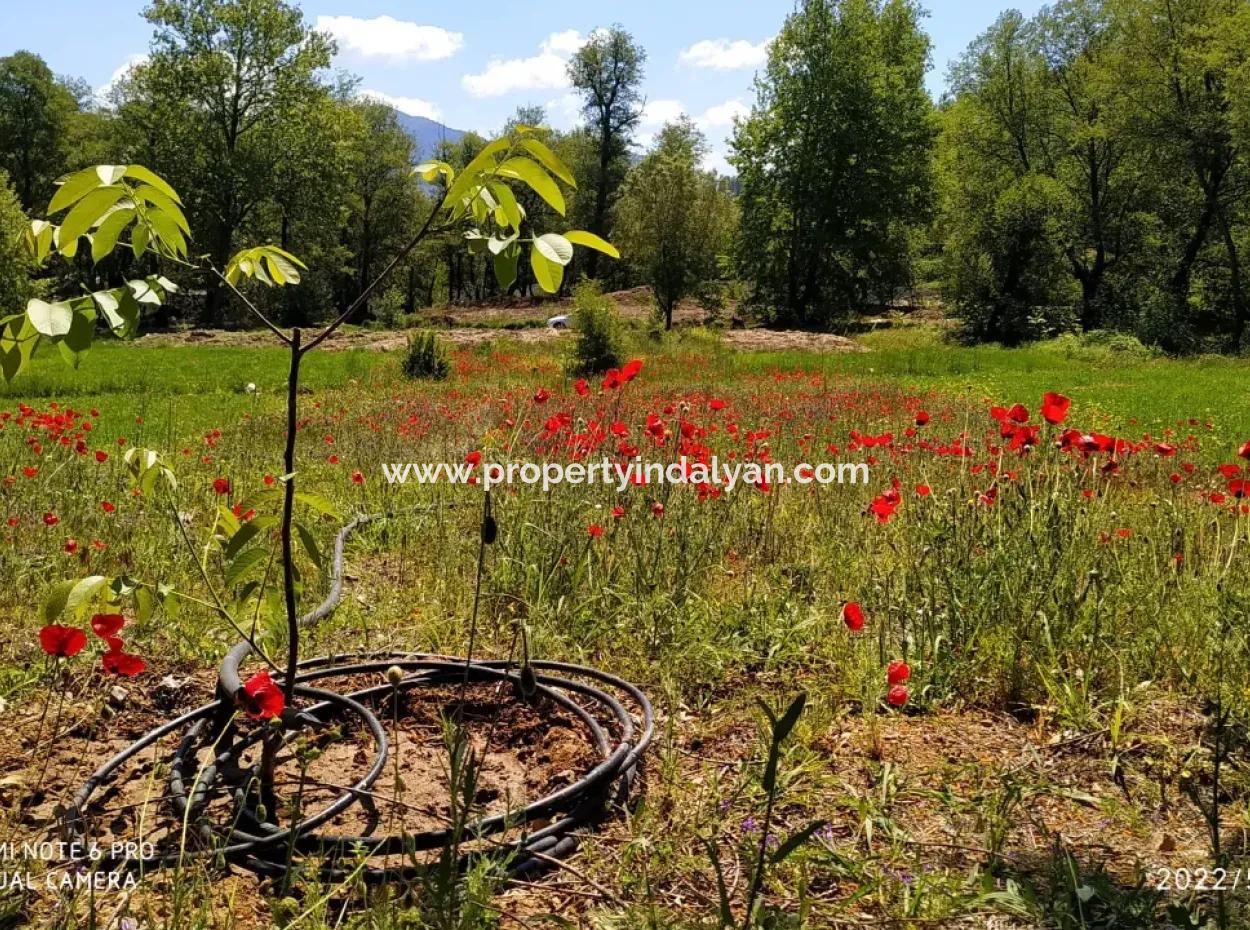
(615, 717)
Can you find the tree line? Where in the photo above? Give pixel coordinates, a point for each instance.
(1086, 169)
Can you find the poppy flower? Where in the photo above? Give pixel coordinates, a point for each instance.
(595, 530)
(261, 698)
(221, 485)
(1244, 451)
(631, 370)
(119, 662)
(30, 471)
(612, 380)
(101, 455)
(357, 477)
(51, 519)
(268, 479)
(1055, 408)
(853, 616)
(541, 396)
(1018, 413)
(71, 546)
(581, 387)
(657, 509)
(923, 490)
(897, 696)
(897, 672)
(618, 512)
(62, 641)
(922, 418)
(108, 506)
(106, 625)
(717, 404)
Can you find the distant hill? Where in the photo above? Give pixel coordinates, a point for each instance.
(427, 133)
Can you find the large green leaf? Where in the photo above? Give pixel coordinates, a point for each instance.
(50, 320)
(591, 241)
(555, 248)
(523, 169)
(549, 160)
(72, 189)
(164, 204)
(474, 171)
(548, 274)
(104, 239)
(87, 212)
(140, 173)
(505, 267)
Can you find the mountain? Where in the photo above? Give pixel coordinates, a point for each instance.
(427, 133)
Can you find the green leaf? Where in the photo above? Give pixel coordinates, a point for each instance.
(429, 170)
(549, 160)
(104, 239)
(83, 591)
(140, 173)
(245, 534)
(110, 174)
(164, 204)
(790, 717)
(243, 564)
(87, 212)
(505, 267)
(555, 248)
(318, 503)
(782, 852)
(81, 332)
(309, 543)
(473, 171)
(144, 604)
(591, 241)
(539, 181)
(54, 603)
(511, 211)
(167, 231)
(73, 188)
(549, 275)
(50, 320)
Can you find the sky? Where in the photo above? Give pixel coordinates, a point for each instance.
(471, 71)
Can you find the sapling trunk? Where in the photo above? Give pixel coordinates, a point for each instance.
(288, 511)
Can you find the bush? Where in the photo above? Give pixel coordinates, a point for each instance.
(16, 286)
(426, 358)
(600, 344)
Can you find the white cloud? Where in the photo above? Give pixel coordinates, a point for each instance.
(104, 90)
(725, 54)
(387, 37)
(413, 106)
(563, 111)
(717, 160)
(723, 114)
(659, 112)
(548, 70)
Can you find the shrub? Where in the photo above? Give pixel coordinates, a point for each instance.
(426, 358)
(16, 286)
(600, 343)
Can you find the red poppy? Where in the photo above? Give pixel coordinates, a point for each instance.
(473, 458)
(923, 490)
(1244, 451)
(853, 616)
(657, 509)
(30, 471)
(595, 530)
(1055, 408)
(612, 380)
(268, 479)
(101, 455)
(631, 370)
(541, 396)
(717, 404)
(1228, 471)
(581, 387)
(1018, 413)
(897, 696)
(357, 477)
(71, 546)
(62, 641)
(221, 485)
(119, 662)
(108, 506)
(51, 519)
(897, 672)
(922, 418)
(106, 625)
(261, 698)
(618, 512)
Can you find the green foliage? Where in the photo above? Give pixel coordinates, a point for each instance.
(16, 286)
(35, 115)
(600, 343)
(426, 358)
(674, 220)
(834, 160)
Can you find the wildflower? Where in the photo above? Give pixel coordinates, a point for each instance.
(923, 490)
(853, 616)
(62, 641)
(51, 519)
(221, 486)
(358, 477)
(101, 455)
(119, 662)
(260, 697)
(897, 696)
(581, 387)
(541, 396)
(631, 370)
(1055, 408)
(30, 471)
(71, 546)
(922, 418)
(108, 506)
(107, 625)
(657, 509)
(617, 512)
(897, 672)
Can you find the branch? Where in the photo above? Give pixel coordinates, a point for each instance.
(251, 306)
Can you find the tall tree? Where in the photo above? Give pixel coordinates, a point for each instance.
(35, 114)
(608, 71)
(672, 219)
(240, 67)
(834, 159)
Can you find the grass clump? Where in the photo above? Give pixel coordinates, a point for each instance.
(426, 358)
(600, 341)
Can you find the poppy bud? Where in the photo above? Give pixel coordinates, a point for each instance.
(395, 674)
(490, 529)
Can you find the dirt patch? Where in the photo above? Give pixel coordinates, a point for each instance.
(781, 340)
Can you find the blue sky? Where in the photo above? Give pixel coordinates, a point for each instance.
(471, 71)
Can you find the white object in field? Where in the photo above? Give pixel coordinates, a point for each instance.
(559, 322)
(251, 388)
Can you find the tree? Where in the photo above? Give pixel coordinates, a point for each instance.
(608, 72)
(239, 70)
(35, 113)
(16, 286)
(673, 220)
(834, 159)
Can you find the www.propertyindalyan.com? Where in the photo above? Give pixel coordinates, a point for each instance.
(622, 475)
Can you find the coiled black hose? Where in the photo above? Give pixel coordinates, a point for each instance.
(548, 828)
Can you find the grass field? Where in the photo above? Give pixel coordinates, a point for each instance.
(1071, 606)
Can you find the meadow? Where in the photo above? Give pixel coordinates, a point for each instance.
(1023, 644)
